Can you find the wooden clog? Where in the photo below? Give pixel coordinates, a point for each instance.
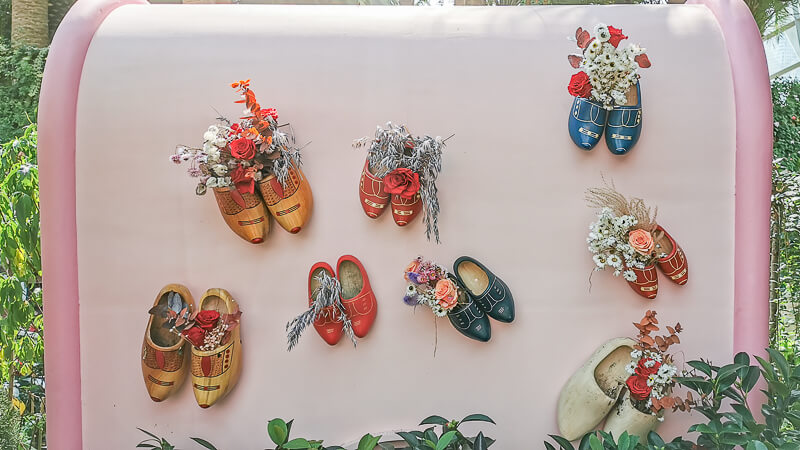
(646, 283)
(163, 352)
(215, 372)
(625, 417)
(370, 192)
(404, 210)
(673, 264)
(358, 299)
(468, 318)
(329, 326)
(592, 391)
(291, 206)
(490, 292)
(245, 213)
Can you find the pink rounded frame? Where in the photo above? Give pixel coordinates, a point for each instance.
(57, 120)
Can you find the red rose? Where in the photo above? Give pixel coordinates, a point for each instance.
(403, 182)
(195, 335)
(643, 371)
(243, 148)
(206, 320)
(638, 387)
(243, 179)
(270, 112)
(579, 85)
(616, 36)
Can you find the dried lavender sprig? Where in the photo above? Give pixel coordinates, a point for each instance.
(426, 159)
(328, 293)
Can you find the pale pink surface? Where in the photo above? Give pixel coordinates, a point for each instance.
(56, 121)
(753, 172)
(140, 226)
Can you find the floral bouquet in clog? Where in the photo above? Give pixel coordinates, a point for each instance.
(430, 285)
(606, 89)
(401, 171)
(204, 329)
(246, 164)
(652, 371)
(626, 239)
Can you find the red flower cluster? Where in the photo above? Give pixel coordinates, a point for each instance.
(203, 323)
(244, 179)
(616, 36)
(403, 182)
(637, 383)
(579, 85)
(269, 112)
(243, 148)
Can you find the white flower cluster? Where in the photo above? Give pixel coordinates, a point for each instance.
(611, 70)
(661, 381)
(608, 241)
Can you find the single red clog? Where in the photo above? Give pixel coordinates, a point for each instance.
(673, 264)
(405, 209)
(359, 301)
(329, 325)
(370, 192)
(646, 283)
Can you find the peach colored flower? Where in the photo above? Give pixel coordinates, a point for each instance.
(641, 241)
(412, 266)
(446, 293)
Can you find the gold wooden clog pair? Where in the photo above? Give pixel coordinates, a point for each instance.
(164, 351)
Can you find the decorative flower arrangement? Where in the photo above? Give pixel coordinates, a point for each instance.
(429, 284)
(621, 239)
(607, 70)
(652, 372)
(326, 301)
(240, 154)
(252, 167)
(205, 330)
(404, 167)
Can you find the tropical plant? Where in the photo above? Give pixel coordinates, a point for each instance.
(21, 70)
(154, 442)
(9, 424)
(600, 440)
(450, 437)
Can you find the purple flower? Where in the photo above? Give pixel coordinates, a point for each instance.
(411, 299)
(413, 277)
(195, 172)
(175, 158)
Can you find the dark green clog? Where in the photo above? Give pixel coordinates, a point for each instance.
(491, 294)
(468, 318)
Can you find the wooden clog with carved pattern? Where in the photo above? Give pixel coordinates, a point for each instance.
(291, 206)
(646, 283)
(358, 298)
(164, 353)
(329, 325)
(215, 372)
(404, 210)
(671, 258)
(245, 213)
(370, 192)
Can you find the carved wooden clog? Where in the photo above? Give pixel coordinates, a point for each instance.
(370, 192)
(627, 418)
(245, 213)
(646, 282)
(291, 206)
(215, 372)
(593, 390)
(358, 298)
(329, 326)
(163, 352)
(673, 263)
(404, 210)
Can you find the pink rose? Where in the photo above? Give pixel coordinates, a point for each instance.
(446, 293)
(641, 241)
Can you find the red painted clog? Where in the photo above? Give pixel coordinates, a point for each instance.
(646, 283)
(673, 263)
(404, 210)
(357, 296)
(370, 192)
(329, 325)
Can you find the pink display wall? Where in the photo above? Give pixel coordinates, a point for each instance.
(120, 221)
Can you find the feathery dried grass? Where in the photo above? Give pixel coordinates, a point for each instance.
(609, 197)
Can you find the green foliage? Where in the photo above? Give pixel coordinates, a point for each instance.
(154, 442)
(600, 440)
(9, 424)
(450, 437)
(21, 70)
(786, 114)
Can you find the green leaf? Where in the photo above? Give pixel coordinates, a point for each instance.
(742, 358)
(480, 442)
(595, 444)
(445, 440)
(654, 439)
(434, 420)
(756, 445)
(701, 366)
(278, 431)
(751, 378)
(563, 442)
(624, 441)
(431, 436)
(368, 442)
(780, 361)
(149, 434)
(549, 446)
(410, 439)
(204, 443)
(297, 444)
(478, 418)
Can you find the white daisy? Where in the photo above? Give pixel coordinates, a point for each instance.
(614, 261)
(629, 275)
(601, 32)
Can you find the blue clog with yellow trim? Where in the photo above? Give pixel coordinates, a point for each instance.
(587, 119)
(625, 124)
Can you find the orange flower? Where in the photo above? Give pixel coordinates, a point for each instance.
(641, 241)
(446, 293)
(269, 140)
(412, 266)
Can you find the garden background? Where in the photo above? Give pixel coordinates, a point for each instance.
(26, 27)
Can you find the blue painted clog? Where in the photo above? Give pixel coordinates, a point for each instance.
(587, 119)
(624, 126)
